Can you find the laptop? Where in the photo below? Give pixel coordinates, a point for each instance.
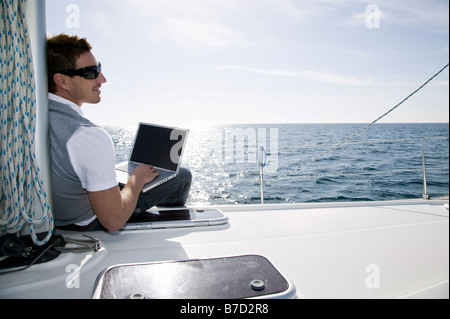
(159, 146)
(176, 217)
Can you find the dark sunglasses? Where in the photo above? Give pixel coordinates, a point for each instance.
(89, 72)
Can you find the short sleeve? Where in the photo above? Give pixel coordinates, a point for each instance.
(92, 156)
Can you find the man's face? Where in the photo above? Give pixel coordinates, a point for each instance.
(81, 90)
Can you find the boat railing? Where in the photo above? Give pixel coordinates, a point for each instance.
(285, 148)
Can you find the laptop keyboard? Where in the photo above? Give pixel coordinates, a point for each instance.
(127, 167)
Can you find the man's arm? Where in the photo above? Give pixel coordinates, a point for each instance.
(113, 206)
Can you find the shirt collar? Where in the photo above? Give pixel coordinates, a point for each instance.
(62, 100)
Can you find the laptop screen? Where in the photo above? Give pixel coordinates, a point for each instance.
(158, 146)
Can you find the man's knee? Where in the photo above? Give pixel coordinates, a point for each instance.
(185, 175)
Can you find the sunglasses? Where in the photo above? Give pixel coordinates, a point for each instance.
(89, 72)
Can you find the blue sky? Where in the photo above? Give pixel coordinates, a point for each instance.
(193, 62)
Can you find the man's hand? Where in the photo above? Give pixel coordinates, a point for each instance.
(144, 173)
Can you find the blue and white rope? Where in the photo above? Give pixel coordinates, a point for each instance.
(19, 173)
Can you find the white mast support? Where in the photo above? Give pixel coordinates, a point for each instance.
(36, 19)
(424, 171)
(262, 162)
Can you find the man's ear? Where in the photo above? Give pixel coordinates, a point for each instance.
(60, 80)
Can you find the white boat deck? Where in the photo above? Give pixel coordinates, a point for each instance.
(395, 249)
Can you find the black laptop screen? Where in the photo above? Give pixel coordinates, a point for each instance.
(158, 146)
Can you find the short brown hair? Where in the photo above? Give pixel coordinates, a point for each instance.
(62, 52)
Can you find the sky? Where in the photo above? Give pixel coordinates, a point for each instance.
(197, 62)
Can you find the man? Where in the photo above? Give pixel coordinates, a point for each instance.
(86, 195)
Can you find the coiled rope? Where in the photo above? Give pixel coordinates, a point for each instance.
(19, 173)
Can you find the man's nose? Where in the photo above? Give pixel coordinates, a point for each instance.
(102, 78)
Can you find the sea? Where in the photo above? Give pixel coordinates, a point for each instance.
(305, 163)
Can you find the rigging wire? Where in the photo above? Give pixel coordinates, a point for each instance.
(315, 159)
